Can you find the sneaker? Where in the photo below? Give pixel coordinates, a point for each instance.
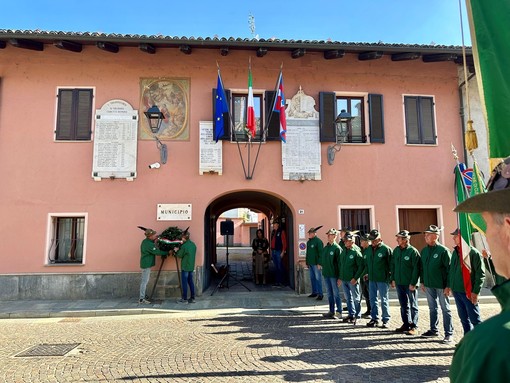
(144, 302)
(402, 328)
(373, 323)
(412, 331)
(385, 325)
(430, 334)
(366, 314)
(329, 315)
(447, 339)
(319, 297)
(348, 319)
(182, 300)
(338, 315)
(191, 300)
(312, 295)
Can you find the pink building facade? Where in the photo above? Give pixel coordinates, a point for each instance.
(398, 175)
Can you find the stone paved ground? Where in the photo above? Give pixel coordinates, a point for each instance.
(288, 345)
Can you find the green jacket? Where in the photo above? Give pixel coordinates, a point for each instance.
(148, 252)
(314, 248)
(435, 261)
(482, 355)
(330, 259)
(351, 265)
(405, 266)
(378, 263)
(455, 280)
(187, 252)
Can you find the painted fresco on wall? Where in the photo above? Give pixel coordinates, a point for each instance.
(171, 96)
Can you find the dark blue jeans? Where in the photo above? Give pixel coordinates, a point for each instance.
(277, 261)
(187, 279)
(469, 313)
(408, 305)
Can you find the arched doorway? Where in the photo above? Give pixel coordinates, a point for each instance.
(268, 204)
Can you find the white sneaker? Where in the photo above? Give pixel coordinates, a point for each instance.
(448, 339)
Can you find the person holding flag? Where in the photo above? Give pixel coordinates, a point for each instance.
(467, 302)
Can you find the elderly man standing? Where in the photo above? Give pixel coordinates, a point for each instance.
(378, 264)
(467, 307)
(482, 355)
(314, 247)
(405, 273)
(435, 260)
(278, 249)
(148, 250)
(351, 269)
(365, 244)
(330, 259)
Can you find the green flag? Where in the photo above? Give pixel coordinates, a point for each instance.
(477, 187)
(465, 232)
(490, 34)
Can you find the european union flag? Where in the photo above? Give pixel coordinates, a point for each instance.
(221, 108)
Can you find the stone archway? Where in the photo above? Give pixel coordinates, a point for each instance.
(268, 204)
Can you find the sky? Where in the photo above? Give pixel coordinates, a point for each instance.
(358, 21)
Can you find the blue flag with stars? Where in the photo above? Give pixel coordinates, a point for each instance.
(221, 108)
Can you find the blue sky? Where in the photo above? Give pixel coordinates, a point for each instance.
(367, 21)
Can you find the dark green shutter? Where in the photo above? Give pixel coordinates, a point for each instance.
(412, 122)
(376, 117)
(327, 116)
(74, 114)
(83, 121)
(273, 125)
(427, 120)
(226, 116)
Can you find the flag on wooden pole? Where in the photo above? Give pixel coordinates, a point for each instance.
(490, 35)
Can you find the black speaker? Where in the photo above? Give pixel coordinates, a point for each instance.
(227, 228)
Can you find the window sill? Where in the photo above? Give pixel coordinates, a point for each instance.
(424, 145)
(65, 264)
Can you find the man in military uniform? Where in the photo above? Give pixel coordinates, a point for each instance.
(482, 355)
(365, 244)
(351, 269)
(314, 247)
(435, 260)
(330, 259)
(467, 307)
(405, 273)
(378, 264)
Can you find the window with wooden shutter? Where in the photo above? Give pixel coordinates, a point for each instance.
(376, 117)
(419, 118)
(327, 116)
(74, 115)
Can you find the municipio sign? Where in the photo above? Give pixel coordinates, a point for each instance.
(174, 212)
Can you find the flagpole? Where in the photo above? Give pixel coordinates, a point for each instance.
(264, 133)
(232, 129)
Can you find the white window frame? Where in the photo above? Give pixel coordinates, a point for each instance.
(366, 117)
(93, 122)
(50, 234)
(371, 209)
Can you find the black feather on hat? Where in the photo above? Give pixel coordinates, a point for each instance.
(314, 229)
(142, 228)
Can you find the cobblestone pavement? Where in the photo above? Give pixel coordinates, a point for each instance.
(277, 345)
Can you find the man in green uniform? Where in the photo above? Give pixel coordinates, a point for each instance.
(435, 260)
(330, 259)
(187, 253)
(467, 307)
(378, 266)
(483, 354)
(365, 244)
(148, 252)
(314, 247)
(351, 269)
(405, 273)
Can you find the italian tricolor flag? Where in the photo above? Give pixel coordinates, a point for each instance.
(250, 119)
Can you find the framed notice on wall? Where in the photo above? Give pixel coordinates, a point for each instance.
(115, 141)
